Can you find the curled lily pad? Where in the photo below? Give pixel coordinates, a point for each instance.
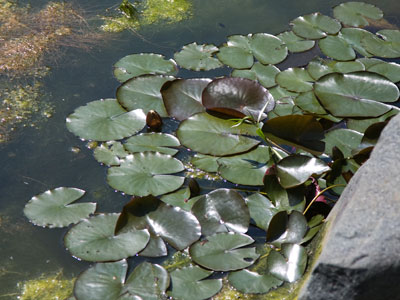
(142, 64)
(290, 264)
(222, 210)
(315, 26)
(93, 239)
(105, 120)
(53, 209)
(236, 53)
(187, 283)
(238, 97)
(110, 153)
(197, 57)
(143, 92)
(182, 97)
(252, 282)
(386, 43)
(156, 142)
(295, 43)
(223, 252)
(267, 48)
(265, 75)
(285, 228)
(210, 135)
(356, 13)
(356, 94)
(142, 174)
(295, 80)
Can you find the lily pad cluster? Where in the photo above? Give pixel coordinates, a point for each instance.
(284, 137)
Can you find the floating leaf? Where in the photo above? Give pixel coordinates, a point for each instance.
(319, 67)
(389, 70)
(110, 153)
(300, 131)
(361, 125)
(252, 282)
(182, 97)
(344, 139)
(261, 210)
(197, 57)
(265, 75)
(181, 198)
(295, 43)
(314, 225)
(295, 80)
(309, 103)
(284, 107)
(315, 26)
(223, 252)
(210, 135)
(105, 120)
(93, 239)
(285, 228)
(356, 13)
(337, 48)
(238, 97)
(290, 265)
(145, 173)
(142, 64)
(156, 142)
(386, 43)
(278, 93)
(294, 170)
(267, 48)
(53, 209)
(222, 210)
(143, 92)
(187, 283)
(236, 53)
(206, 163)
(356, 94)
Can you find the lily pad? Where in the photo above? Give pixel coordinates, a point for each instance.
(182, 97)
(337, 48)
(198, 57)
(53, 209)
(223, 252)
(285, 228)
(356, 14)
(268, 49)
(295, 43)
(142, 64)
(181, 198)
(110, 153)
(261, 210)
(187, 283)
(315, 26)
(295, 80)
(236, 53)
(294, 170)
(290, 264)
(105, 120)
(319, 67)
(309, 103)
(356, 94)
(265, 75)
(252, 282)
(206, 163)
(279, 92)
(143, 92)
(156, 142)
(344, 139)
(238, 97)
(93, 239)
(389, 70)
(284, 107)
(222, 210)
(210, 135)
(386, 43)
(142, 174)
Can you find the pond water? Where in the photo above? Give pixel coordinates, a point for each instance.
(36, 160)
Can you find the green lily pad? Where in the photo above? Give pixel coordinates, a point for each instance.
(361, 125)
(222, 210)
(337, 48)
(105, 120)
(160, 220)
(354, 37)
(238, 97)
(142, 174)
(315, 26)
(319, 67)
(294, 170)
(285, 228)
(356, 14)
(53, 209)
(93, 239)
(295, 43)
(314, 225)
(236, 53)
(389, 70)
(265, 75)
(356, 94)
(346, 140)
(309, 103)
(143, 92)
(187, 283)
(268, 49)
(261, 210)
(279, 92)
(386, 43)
(206, 163)
(290, 264)
(283, 107)
(252, 282)
(295, 80)
(181, 198)
(110, 153)
(156, 142)
(142, 64)
(197, 57)
(223, 252)
(210, 135)
(182, 97)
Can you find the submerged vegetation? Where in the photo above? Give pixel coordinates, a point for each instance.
(285, 142)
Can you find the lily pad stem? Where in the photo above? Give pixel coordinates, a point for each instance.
(320, 193)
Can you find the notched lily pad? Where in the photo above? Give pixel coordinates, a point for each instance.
(295, 80)
(265, 75)
(198, 57)
(236, 53)
(155, 142)
(110, 153)
(53, 208)
(295, 43)
(268, 49)
(356, 14)
(315, 26)
(386, 43)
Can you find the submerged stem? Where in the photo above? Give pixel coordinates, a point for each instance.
(320, 193)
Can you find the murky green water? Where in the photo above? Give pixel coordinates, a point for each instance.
(38, 160)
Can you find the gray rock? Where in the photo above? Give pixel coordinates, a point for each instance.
(360, 256)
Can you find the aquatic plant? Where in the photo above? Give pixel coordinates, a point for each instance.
(288, 139)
